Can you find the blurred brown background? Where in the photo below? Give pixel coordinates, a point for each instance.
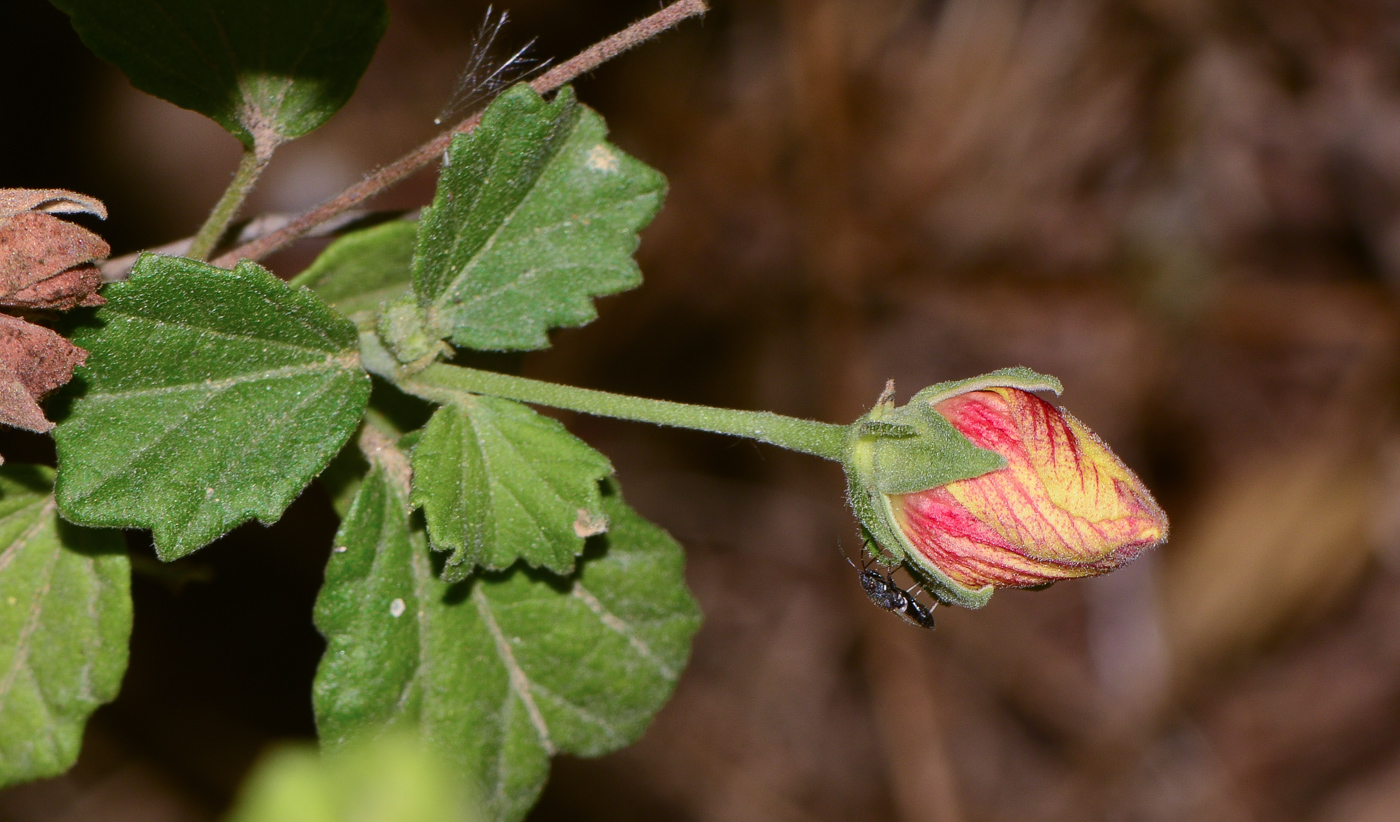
(1189, 210)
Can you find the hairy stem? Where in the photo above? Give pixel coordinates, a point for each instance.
(586, 61)
(447, 383)
(250, 168)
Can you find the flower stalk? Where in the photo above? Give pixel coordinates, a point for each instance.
(973, 485)
(250, 168)
(449, 383)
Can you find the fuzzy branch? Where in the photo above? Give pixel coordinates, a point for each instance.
(586, 61)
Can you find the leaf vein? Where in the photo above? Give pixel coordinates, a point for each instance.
(11, 550)
(330, 365)
(190, 328)
(35, 610)
(508, 217)
(519, 682)
(620, 626)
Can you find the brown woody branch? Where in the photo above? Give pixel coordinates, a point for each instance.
(586, 61)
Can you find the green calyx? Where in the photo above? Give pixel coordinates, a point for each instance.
(404, 328)
(895, 450)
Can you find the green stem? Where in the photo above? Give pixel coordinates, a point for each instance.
(448, 383)
(249, 169)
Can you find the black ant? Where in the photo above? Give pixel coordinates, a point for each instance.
(886, 594)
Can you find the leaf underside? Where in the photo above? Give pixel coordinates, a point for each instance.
(212, 397)
(503, 670)
(535, 215)
(364, 268)
(265, 70)
(65, 619)
(499, 482)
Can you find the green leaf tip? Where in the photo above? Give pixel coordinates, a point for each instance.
(499, 482)
(535, 215)
(65, 620)
(505, 669)
(268, 71)
(209, 398)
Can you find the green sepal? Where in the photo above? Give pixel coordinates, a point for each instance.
(1015, 377)
(876, 428)
(935, 455)
(403, 326)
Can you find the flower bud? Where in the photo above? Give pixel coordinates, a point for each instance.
(1054, 504)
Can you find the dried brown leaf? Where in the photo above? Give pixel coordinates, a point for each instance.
(52, 200)
(45, 262)
(74, 287)
(33, 362)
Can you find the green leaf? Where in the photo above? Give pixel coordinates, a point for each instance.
(499, 482)
(268, 71)
(65, 619)
(535, 215)
(395, 778)
(503, 670)
(363, 269)
(211, 397)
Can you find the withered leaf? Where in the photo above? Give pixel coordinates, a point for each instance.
(45, 262)
(33, 362)
(52, 200)
(74, 287)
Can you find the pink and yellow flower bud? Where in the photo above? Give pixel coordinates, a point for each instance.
(1061, 506)
(1064, 506)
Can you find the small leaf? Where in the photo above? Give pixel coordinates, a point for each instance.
(266, 70)
(212, 397)
(363, 269)
(65, 618)
(499, 482)
(535, 215)
(395, 778)
(503, 670)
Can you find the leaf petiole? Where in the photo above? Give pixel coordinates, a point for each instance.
(448, 383)
(250, 168)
